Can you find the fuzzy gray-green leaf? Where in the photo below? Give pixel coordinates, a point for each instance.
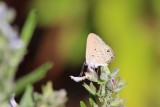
(27, 100)
(104, 77)
(91, 89)
(114, 73)
(106, 70)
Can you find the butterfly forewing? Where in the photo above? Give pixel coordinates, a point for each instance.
(97, 52)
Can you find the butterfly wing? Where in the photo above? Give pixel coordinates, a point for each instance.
(97, 52)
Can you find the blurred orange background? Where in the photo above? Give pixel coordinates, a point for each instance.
(130, 27)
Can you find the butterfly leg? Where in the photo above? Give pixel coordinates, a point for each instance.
(83, 69)
(99, 71)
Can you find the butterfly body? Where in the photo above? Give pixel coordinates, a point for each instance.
(97, 52)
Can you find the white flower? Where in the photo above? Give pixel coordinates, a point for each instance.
(13, 102)
(6, 14)
(6, 29)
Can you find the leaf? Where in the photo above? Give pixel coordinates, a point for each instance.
(91, 101)
(114, 73)
(121, 82)
(82, 104)
(104, 77)
(32, 77)
(26, 35)
(50, 97)
(101, 91)
(91, 89)
(105, 69)
(116, 101)
(118, 89)
(27, 100)
(29, 27)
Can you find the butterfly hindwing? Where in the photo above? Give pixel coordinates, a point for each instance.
(97, 52)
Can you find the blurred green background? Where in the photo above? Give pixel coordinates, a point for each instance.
(130, 27)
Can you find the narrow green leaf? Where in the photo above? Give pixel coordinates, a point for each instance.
(104, 77)
(91, 101)
(117, 103)
(93, 87)
(27, 100)
(118, 89)
(29, 27)
(32, 77)
(82, 104)
(93, 92)
(106, 70)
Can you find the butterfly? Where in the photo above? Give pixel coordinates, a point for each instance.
(97, 52)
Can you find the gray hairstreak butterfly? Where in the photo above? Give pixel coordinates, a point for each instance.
(97, 52)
